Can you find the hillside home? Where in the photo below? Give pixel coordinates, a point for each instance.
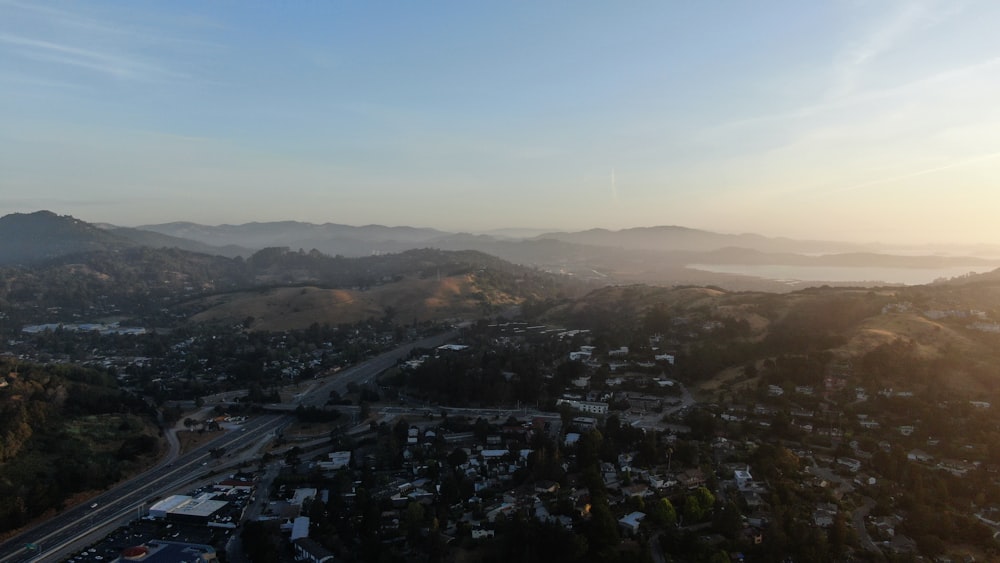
(482, 533)
(743, 478)
(824, 515)
(850, 463)
(630, 522)
(691, 478)
(958, 468)
(609, 474)
(550, 487)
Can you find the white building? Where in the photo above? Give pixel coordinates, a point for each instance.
(585, 406)
(630, 522)
(744, 480)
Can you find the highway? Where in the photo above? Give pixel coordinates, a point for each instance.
(56, 536)
(365, 372)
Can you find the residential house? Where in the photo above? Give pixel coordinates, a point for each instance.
(744, 480)
(630, 522)
(691, 478)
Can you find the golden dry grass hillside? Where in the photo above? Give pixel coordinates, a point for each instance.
(406, 300)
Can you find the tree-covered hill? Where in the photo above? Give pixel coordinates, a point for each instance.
(65, 430)
(159, 286)
(32, 237)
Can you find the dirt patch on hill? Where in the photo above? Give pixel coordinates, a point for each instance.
(929, 337)
(730, 379)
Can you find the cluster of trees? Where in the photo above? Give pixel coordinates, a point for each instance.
(499, 377)
(64, 429)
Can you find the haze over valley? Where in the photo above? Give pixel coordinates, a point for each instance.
(542, 282)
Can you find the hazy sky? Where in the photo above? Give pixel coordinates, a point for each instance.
(854, 120)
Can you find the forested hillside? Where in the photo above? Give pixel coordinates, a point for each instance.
(65, 430)
(157, 286)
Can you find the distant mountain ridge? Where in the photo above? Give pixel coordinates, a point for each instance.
(153, 239)
(32, 237)
(295, 234)
(333, 238)
(658, 255)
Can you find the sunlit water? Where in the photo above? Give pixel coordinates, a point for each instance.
(906, 276)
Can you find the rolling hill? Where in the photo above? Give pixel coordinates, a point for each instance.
(163, 285)
(944, 337)
(33, 237)
(406, 300)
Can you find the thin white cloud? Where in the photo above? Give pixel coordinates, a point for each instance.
(916, 174)
(859, 54)
(114, 64)
(67, 21)
(948, 77)
(22, 79)
(614, 187)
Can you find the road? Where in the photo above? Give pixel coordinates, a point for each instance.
(864, 539)
(234, 549)
(364, 373)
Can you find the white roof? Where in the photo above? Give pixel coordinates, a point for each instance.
(633, 519)
(302, 494)
(199, 507)
(300, 528)
(169, 503)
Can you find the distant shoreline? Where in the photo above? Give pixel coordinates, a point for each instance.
(904, 276)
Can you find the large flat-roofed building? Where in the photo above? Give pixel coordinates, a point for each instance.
(182, 508)
(161, 508)
(302, 495)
